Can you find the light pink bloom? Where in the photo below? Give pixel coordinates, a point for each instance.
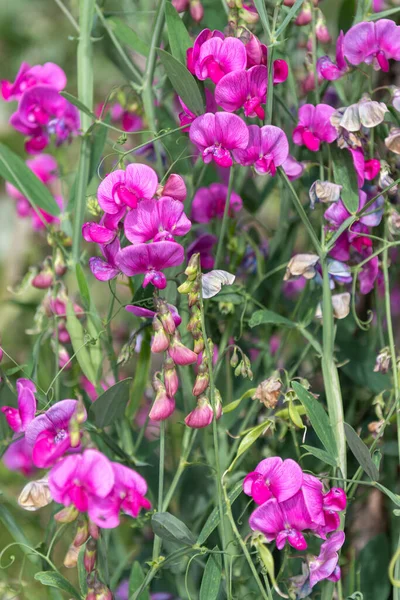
(192, 55)
(19, 418)
(244, 89)
(81, 479)
(217, 57)
(163, 405)
(48, 434)
(268, 148)
(107, 268)
(18, 457)
(27, 77)
(126, 188)
(314, 126)
(324, 566)
(273, 477)
(180, 354)
(373, 43)
(209, 203)
(330, 70)
(151, 260)
(218, 135)
(156, 220)
(174, 187)
(293, 168)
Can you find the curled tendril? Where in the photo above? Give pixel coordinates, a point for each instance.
(21, 545)
(364, 325)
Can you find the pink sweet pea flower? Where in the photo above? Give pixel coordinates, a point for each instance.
(273, 477)
(19, 418)
(150, 259)
(314, 126)
(156, 220)
(81, 479)
(18, 457)
(244, 89)
(324, 566)
(218, 135)
(268, 148)
(337, 213)
(209, 203)
(192, 55)
(257, 54)
(293, 168)
(174, 187)
(27, 77)
(126, 188)
(105, 231)
(217, 57)
(330, 70)
(107, 268)
(186, 116)
(140, 311)
(48, 434)
(373, 43)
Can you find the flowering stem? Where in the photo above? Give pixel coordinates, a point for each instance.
(157, 540)
(224, 221)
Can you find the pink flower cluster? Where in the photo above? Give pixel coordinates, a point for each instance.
(152, 215)
(42, 112)
(292, 503)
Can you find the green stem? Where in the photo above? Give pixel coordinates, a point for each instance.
(314, 55)
(187, 445)
(224, 221)
(157, 540)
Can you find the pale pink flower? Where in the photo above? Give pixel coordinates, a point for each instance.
(268, 148)
(202, 415)
(126, 188)
(314, 126)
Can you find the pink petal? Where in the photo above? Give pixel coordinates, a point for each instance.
(61, 475)
(140, 258)
(105, 192)
(286, 480)
(175, 186)
(51, 74)
(141, 224)
(274, 142)
(232, 55)
(313, 499)
(102, 270)
(104, 512)
(232, 90)
(26, 401)
(92, 232)
(13, 418)
(129, 479)
(97, 472)
(388, 38)
(252, 152)
(359, 42)
(306, 115)
(268, 518)
(171, 216)
(231, 131)
(202, 131)
(139, 311)
(142, 180)
(321, 125)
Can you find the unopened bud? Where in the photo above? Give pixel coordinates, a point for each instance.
(44, 279)
(171, 380)
(382, 362)
(160, 341)
(82, 533)
(180, 354)
(71, 558)
(67, 514)
(202, 381)
(166, 318)
(192, 270)
(94, 531)
(196, 10)
(234, 359)
(60, 266)
(90, 555)
(186, 287)
(198, 342)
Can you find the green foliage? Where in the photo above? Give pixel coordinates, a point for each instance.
(110, 406)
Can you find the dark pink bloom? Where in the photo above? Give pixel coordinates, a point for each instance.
(126, 188)
(257, 54)
(244, 89)
(27, 77)
(107, 268)
(217, 57)
(150, 259)
(156, 220)
(337, 213)
(369, 272)
(330, 70)
(268, 148)
(192, 55)
(18, 457)
(186, 117)
(324, 566)
(174, 187)
(314, 126)
(273, 477)
(209, 203)
(304, 17)
(19, 418)
(373, 43)
(48, 434)
(81, 479)
(218, 135)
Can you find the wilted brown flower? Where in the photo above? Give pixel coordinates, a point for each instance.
(268, 392)
(35, 495)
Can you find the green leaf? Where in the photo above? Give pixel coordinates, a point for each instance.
(56, 580)
(361, 452)
(395, 498)
(345, 175)
(76, 333)
(212, 576)
(98, 141)
(373, 562)
(318, 418)
(14, 170)
(16, 532)
(83, 286)
(347, 12)
(262, 317)
(178, 36)
(183, 82)
(110, 406)
(136, 579)
(214, 518)
(128, 36)
(321, 455)
(233, 405)
(171, 529)
(141, 376)
(262, 11)
(252, 436)
(76, 102)
(82, 573)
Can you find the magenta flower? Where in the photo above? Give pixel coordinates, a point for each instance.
(209, 203)
(257, 54)
(324, 566)
(174, 187)
(314, 126)
(180, 354)
(126, 188)
(27, 77)
(330, 70)
(217, 57)
(140, 311)
(192, 55)
(218, 135)
(273, 477)
(19, 418)
(107, 268)
(48, 434)
(18, 457)
(81, 479)
(151, 260)
(244, 89)
(337, 213)
(156, 220)
(373, 43)
(186, 116)
(268, 148)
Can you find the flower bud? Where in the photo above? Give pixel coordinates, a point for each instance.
(192, 270)
(198, 342)
(383, 361)
(335, 499)
(202, 381)
(305, 16)
(385, 179)
(63, 358)
(171, 380)
(102, 592)
(180, 6)
(74, 432)
(175, 186)
(60, 266)
(195, 320)
(202, 415)
(166, 318)
(196, 10)
(71, 558)
(67, 514)
(94, 531)
(234, 359)
(35, 495)
(90, 555)
(194, 295)
(268, 392)
(82, 533)
(44, 279)
(186, 287)
(163, 405)
(321, 30)
(160, 341)
(180, 354)
(392, 142)
(248, 15)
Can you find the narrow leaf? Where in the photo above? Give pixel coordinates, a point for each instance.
(212, 576)
(183, 82)
(136, 579)
(16, 532)
(56, 580)
(345, 175)
(321, 455)
(76, 333)
(262, 317)
(292, 12)
(83, 286)
(14, 170)
(361, 452)
(233, 405)
(171, 529)
(214, 518)
(111, 405)
(251, 437)
(318, 418)
(76, 102)
(395, 498)
(98, 141)
(262, 11)
(178, 36)
(128, 36)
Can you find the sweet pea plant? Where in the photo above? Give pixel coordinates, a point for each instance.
(208, 402)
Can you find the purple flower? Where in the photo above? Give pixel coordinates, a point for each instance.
(18, 457)
(186, 117)
(324, 566)
(192, 55)
(268, 148)
(314, 126)
(204, 246)
(257, 54)
(107, 268)
(156, 220)
(218, 135)
(373, 43)
(337, 213)
(19, 418)
(273, 477)
(244, 89)
(330, 70)
(150, 259)
(27, 77)
(217, 57)
(209, 203)
(126, 188)
(140, 311)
